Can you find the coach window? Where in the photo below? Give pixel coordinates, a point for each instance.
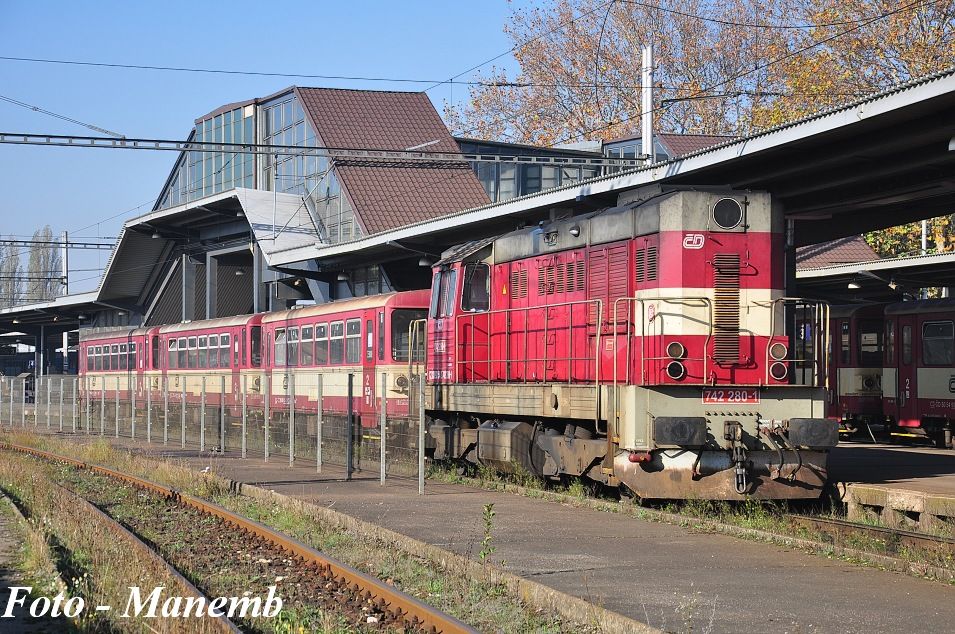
(307, 356)
(173, 354)
(321, 344)
(114, 356)
(256, 343)
(337, 342)
(155, 353)
(870, 343)
(97, 359)
(401, 323)
(381, 336)
(353, 341)
(889, 343)
(132, 356)
(293, 346)
(213, 351)
(844, 347)
(369, 340)
(122, 356)
(938, 343)
(906, 344)
(193, 349)
(224, 351)
(476, 295)
(278, 351)
(201, 347)
(181, 352)
(89, 358)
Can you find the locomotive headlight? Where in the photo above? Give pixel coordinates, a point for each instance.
(676, 370)
(676, 350)
(778, 370)
(778, 351)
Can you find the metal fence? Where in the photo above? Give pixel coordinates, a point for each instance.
(217, 415)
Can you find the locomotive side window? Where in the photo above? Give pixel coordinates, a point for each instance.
(401, 320)
(173, 355)
(447, 297)
(870, 343)
(442, 294)
(213, 351)
(938, 344)
(844, 343)
(476, 296)
(224, 350)
(183, 353)
(321, 344)
(307, 345)
(278, 350)
(436, 293)
(337, 342)
(906, 344)
(353, 341)
(256, 343)
(292, 346)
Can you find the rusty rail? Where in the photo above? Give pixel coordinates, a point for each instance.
(893, 538)
(404, 607)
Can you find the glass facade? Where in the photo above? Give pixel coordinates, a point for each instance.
(284, 123)
(199, 174)
(503, 181)
(281, 121)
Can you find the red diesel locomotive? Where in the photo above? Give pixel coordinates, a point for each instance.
(648, 346)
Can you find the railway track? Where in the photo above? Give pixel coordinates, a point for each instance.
(395, 608)
(893, 539)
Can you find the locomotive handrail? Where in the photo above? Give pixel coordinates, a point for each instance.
(507, 312)
(820, 336)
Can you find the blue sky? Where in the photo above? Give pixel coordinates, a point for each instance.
(72, 188)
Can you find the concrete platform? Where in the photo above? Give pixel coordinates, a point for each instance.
(670, 577)
(909, 487)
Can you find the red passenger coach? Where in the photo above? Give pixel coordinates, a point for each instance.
(919, 374)
(855, 366)
(367, 337)
(647, 345)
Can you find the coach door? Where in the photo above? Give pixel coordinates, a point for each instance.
(368, 382)
(907, 399)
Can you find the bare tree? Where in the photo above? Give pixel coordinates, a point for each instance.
(11, 284)
(44, 267)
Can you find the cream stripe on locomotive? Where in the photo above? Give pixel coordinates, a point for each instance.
(692, 319)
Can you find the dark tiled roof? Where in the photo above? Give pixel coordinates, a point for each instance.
(681, 144)
(841, 251)
(389, 195)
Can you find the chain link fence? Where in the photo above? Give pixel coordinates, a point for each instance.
(300, 418)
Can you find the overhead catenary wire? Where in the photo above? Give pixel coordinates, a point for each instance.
(90, 126)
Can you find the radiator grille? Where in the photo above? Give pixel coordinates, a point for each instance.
(566, 277)
(645, 264)
(726, 308)
(519, 284)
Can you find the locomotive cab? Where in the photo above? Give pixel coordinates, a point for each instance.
(649, 345)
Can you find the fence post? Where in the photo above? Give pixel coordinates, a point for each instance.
(3, 381)
(318, 424)
(23, 404)
(202, 416)
(49, 399)
(245, 413)
(149, 410)
(61, 404)
(132, 406)
(165, 410)
(182, 415)
(117, 405)
(421, 434)
(291, 420)
(102, 407)
(222, 416)
(267, 391)
(74, 401)
(349, 428)
(382, 424)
